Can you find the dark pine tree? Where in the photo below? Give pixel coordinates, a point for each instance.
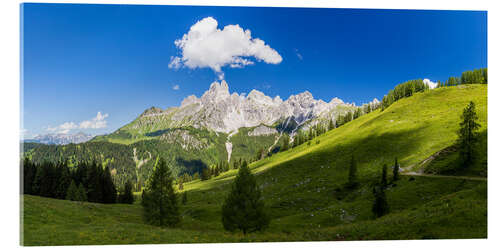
(126, 196)
(72, 192)
(94, 183)
(383, 181)
(29, 173)
(236, 164)
(286, 142)
(468, 136)
(108, 187)
(184, 198)
(380, 206)
(44, 180)
(63, 181)
(395, 170)
(159, 199)
(205, 174)
(353, 175)
(244, 208)
(82, 193)
(331, 125)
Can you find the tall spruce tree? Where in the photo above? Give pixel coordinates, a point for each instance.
(244, 208)
(353, 175)
(380, 206)
(94, 183)
(108, 187)
(395, 170)
(63, 181)
(159, 199)
(286, 143)
(126, 196)
(44, 180)
(184, 198)
(29, 173)
(205, 174)
(72, 192)
(468, 136)
(383, 181)
(82, 193)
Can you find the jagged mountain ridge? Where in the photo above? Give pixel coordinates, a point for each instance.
(220, 111)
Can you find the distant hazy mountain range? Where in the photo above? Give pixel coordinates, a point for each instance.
(61, 139)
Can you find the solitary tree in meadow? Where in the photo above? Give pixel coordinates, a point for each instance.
(159, 199)
(395, 170)
(468, 135)
(380, 206)
(383, 181)
(244, 208)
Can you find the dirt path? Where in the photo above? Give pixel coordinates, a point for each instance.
(472, 178)
(407, 171)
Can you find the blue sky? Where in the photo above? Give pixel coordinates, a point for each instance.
(79, 60)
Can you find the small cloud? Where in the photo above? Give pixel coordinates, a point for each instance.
(63, 128)
(298, 54)
(266, 86)
(176, 87)
(96, 122)
(206, 46)
(431, 84)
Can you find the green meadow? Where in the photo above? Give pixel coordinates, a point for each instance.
(303, 187)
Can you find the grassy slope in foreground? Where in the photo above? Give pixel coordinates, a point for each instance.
(301, 188)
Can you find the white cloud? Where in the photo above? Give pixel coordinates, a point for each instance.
(63, 128)
(175, 87)
(95, 123)
(206, 46)
(431, 84)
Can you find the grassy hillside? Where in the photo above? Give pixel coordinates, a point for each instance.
(303, 188)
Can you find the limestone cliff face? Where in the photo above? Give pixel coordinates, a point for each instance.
(220, 111)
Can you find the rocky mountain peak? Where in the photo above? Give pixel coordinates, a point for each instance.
(336, 101)
(152, 111)
(217, 110)
(217, 92)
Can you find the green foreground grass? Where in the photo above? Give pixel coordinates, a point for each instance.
(303, 188)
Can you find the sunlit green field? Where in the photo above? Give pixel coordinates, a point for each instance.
(303, 188)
